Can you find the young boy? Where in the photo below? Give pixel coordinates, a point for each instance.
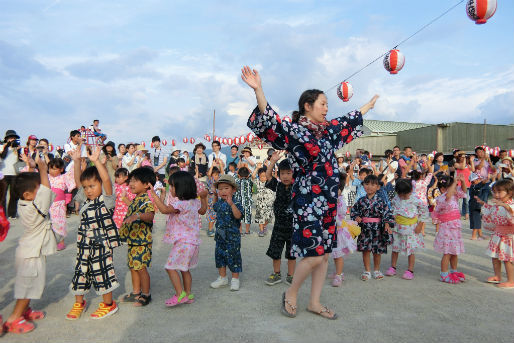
(357, 182)
(232, 169)
(137, 232)
(480, 188)
(97, 236)
(36, 242)
(375, 219)
(283, 227)
(227, 237)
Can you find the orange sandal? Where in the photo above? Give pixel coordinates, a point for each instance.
(20, 325)
(33, 315)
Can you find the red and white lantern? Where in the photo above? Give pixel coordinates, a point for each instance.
(230, 141)
(164, 142)
(434, 152)
(192, 140)
(394, 61)
(496, 151)
(50, 147)
(184, 140)
(237, 141)
(510, 153)
(242, 139)
(348, 154)
(173, 142)
(250, 137)
(480, 10)
(143, 144)
(345, 91)
(260, 146)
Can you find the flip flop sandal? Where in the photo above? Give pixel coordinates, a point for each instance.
(324, 309)
(33, 315)
(143, 300)
(130, 297)
(501, 285)
(493, 279)
(283, 308)
(365, 276)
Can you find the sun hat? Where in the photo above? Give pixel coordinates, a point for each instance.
(141, 148)
(507, 158)
(247, 149)
(11, 133)
(225, 178)
(473, 177)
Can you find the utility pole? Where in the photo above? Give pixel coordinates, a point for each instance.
(485, 132)
(213, 124)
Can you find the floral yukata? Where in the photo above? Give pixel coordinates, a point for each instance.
(121, 208)
(407, 214)
(315, 172)
(497, 218)
(60, 184)
(263, 203)
(448, 239)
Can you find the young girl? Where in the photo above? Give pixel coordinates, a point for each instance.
(183, 232)
(375, 220)
(123, 196)
(420, 189)
(244, 197)
(212, 177)
(146, 159)
(410, 214)
(345, 243)
(60, 183)
(448, 240)
(264, 201)
(432, 194)
(500, 218)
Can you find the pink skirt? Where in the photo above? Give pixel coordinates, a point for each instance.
(183, 256)
(501, 247)
(448, 239)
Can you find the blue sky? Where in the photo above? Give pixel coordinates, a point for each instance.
(161, 67)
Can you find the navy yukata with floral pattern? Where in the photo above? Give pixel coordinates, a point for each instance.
(316, 177)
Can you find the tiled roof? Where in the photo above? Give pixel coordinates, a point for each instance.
(384, 126)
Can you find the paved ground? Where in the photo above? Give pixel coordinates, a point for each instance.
(391, 310)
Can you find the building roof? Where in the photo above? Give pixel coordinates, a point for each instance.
(389, 127)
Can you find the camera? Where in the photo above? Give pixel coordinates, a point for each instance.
(14, 144)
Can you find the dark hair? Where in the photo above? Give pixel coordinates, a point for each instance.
(364, 171)
(437, 155)
(130, 144)
(396, 147)
(113, 152)
(403, 186)
(506, 185)
(216, 142)
(444, 181)
(215, 170)
(243, 172)
(388, 152)
(73, 133)
(308, 97)
(284, 166)
(415, 175)
(407, 147)
(366, 152)
(96, 120)
(261, 170)
(234, 146)
(184, 184)
(180, 159)
(371, 179)
(47, 143)
(501, 151)
(26, 182)
(342, 181)
(90, 173)
(143, 174)
(119, 145)
(233, 164)
(478, 148)
(173, 170)
(122, 172)
(156, 139)
(56, 163)
(198, 145)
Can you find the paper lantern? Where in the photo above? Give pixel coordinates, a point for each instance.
(287, 118)
(345, 91)
(242, 139)
(495, 151)
(250, 137)
(510, 153)
(151, 145)
(50, 147)
(480, 10)
(192, 140)
(370, 156)
(164, 142)
(394, 61)
(184, 140)
(207, 137)
(230, 141)
(237, 141)
(260, 146)
(173, 142)
(143, 144)
(434, 152)
(348, 154)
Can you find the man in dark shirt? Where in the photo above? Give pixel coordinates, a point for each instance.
(283, 228)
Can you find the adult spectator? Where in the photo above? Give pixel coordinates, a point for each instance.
(43, 146)
(407, 161)
(75, 142)
(122, 150)
(482, 165)
(396, 153)
(247, 159)
(109, 158)
(217, 154)
(200, 162)
(158, 158)
(30, 149)
(8, 158)
(234, 157)
(388, 166)
(130, 160)
(503, 154)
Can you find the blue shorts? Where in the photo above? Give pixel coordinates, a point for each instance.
(228, 253)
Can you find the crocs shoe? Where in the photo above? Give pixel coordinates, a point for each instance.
(76, 311)
(391, 271)
(20, 325)
(190, 298)
(174, 300)
(33, 315)
(104, 311)
(450, 278)
(460, 275)
(408, 275)
(61, 246)
(337, 281)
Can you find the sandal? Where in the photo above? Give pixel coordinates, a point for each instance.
(20, 325)
(506, 285)
(460, 275)
(324, 309)
(493, 279)
(33, 315)
(377, 275)
(143, 300)
(283, 308)
(365, 276)
(130, 297)
(174, 300)
(450, 278)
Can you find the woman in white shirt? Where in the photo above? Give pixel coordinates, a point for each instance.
(8, 160)
(130, 161)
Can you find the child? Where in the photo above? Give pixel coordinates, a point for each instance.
(232, 169)
(146, 159)
(345, 243)
(136, 230)
(35, 244)
(283, 227)
(212, 177)
(479, 188)
(96, 238)
(432, 194)
(60, 183)
(228, 240)
(420, 189)
(448, 240)
(183, 231)
(244, 197)
(181, 163)
(375, 220)
(410, 213)
(123, 195)
(500, 218)
(264, 201)
(357, 182)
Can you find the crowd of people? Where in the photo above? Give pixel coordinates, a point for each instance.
(320, 202)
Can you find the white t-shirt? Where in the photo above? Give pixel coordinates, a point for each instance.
(126, 159)
(387, 172)
(70, 146)
(8, 165)
(248, 160)
(220, 155)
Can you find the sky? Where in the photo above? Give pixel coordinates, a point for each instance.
(152, 67)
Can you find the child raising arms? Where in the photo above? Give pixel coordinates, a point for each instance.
(183, 232)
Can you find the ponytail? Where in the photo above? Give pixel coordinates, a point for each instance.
(307, 97)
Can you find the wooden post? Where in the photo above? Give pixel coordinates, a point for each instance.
(484, 135)
(213, 125)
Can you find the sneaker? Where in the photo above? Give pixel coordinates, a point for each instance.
(408, 275)
(210, 233)
(234, 284)
(220, 282)
(338, 281)
(391, 271)
(289, 279)
(104, 311)
(261, 233)
(273, 279)
(76, 311)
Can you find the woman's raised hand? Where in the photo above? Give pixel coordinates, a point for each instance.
(251, 77)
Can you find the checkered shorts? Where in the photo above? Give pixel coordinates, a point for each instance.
(93, 266)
